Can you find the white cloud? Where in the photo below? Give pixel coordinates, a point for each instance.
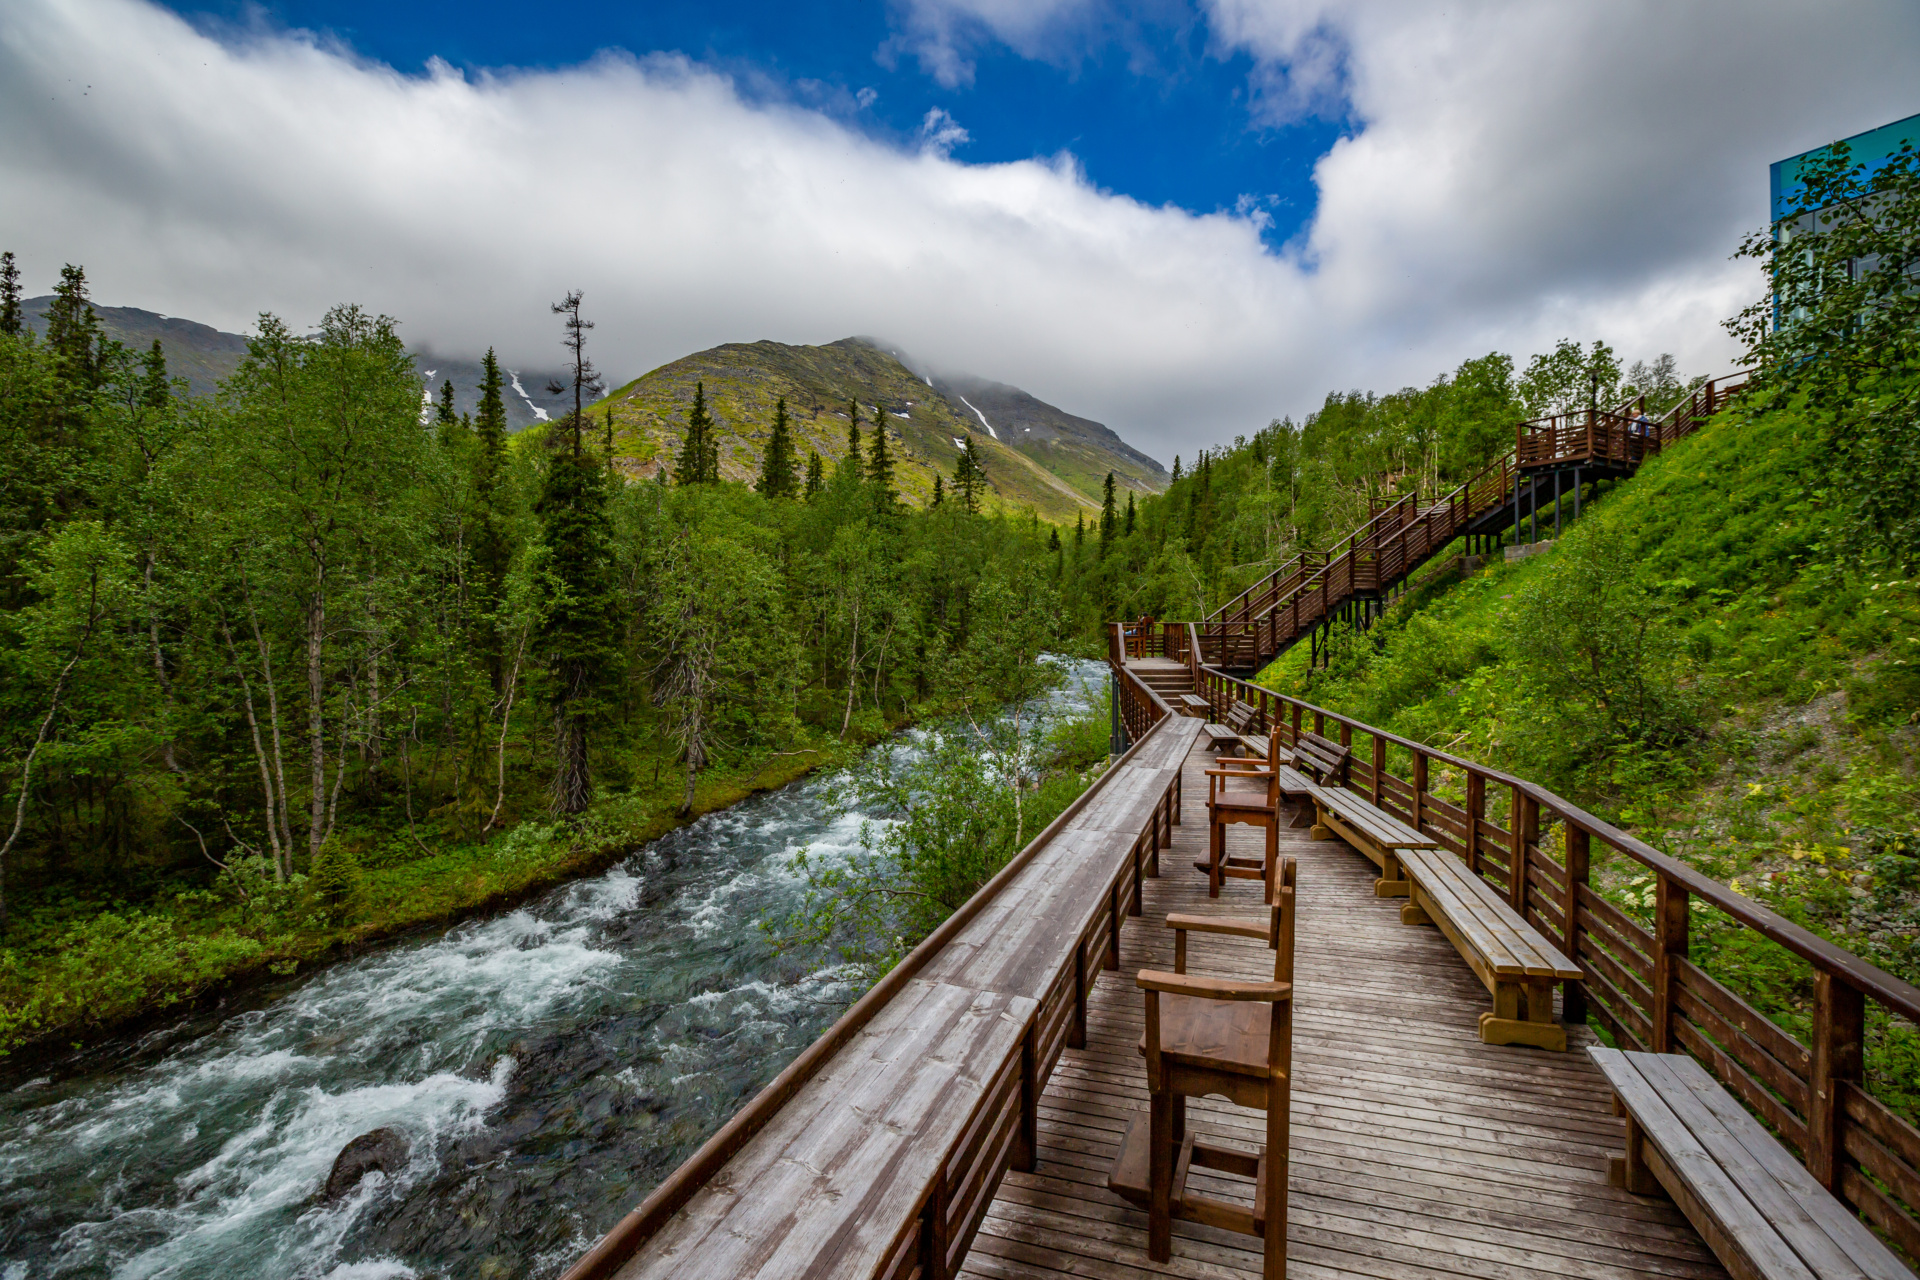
(941, 133)
(943, 34)
(1515, 173)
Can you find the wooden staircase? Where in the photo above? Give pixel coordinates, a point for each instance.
(1357, 574)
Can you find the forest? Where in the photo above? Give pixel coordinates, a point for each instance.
(308, 662)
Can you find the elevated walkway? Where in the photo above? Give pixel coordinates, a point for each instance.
(1416, 1150)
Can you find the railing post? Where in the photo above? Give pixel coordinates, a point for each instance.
(1573, 996)
(1377, 786)
(1026, 1154)
(1419, 790)
(1670, 921)
(1476, 811)
(1524, 831)
(1839, 1036)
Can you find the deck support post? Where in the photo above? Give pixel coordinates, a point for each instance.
(1576, 494)
(1026, 1153)
(1556, 506)
(1077, 1029)
(1670, 921)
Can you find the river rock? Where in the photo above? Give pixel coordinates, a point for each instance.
(383, 1149)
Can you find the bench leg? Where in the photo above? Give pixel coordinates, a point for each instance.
(1503, 1024)
(1393, 879)
(1321, 831)
(1630, 1172)
(1412, 912)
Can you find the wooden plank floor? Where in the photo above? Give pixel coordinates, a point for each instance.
(1417, 1151)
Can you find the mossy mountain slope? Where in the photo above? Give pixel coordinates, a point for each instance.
(1075, 449)
(743, 381)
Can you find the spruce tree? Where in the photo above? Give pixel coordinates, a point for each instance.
(853, 430)
(1176, 469)
(968, 478)
(699, 453)
(491, 550)
(880, 465)
(447, 417)
(1129, 513)
(609, 434)
(816, 474)
(11, 320)
(154, 391)
(776, 465)
(939, 490)
(578, 635)
(73, 330)
(1053, 539)
(1109, 517)
(1079, 533)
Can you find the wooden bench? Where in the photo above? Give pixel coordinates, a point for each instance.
(1324, 758)
(1371, 830)
(1519, 967)
(1232, 730)
(1192, 704)
(1758, 1208)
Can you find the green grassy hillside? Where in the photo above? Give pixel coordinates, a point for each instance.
(743, 381)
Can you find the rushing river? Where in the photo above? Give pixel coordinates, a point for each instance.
(547, 1066)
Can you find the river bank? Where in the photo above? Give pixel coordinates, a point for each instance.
(81, 973)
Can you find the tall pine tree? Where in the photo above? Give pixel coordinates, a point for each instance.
(1109, 517)
(816, 474)
(1129, 513)
(699, 452)
(968, 478)
(777, 479)
(73, 330)
(578, 634)
(880, 464)
(853, 431)
(939, 490)
(11, 319)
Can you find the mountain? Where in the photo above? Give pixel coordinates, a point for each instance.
(204, 356)
(1035, 455)
(199, 353)
(1057, 466)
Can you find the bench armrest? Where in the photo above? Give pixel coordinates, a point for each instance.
(1182, 984)
(1261, 772)
(1218, 924)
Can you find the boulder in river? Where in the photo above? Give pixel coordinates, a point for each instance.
(382, 1149)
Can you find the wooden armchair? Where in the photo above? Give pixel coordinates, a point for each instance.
(1232, 1039)
(1227, 806)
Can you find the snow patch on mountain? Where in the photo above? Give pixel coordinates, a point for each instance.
(981, 416)
(538, 412)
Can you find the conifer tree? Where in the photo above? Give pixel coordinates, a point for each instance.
(880, 465)
(853, 430)
(1079, 533)
(699, 453)
(968, 478)
(73, 330)
(1176, 468)
(609, 434)
(491, 551)
(1129, 513)
(816, 474)
(11, 321)
(447, 417)
(1053, 539)
(154, 391)
(1109, 516)
(776, 465)
(578, 632)
(939, 490)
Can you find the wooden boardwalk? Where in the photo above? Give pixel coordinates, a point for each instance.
(1417, 1151)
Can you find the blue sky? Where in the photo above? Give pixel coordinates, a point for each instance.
(1151, 107)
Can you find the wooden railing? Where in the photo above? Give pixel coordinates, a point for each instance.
(1258, 624)
(1622, 437)
(1261, 622)
(1642, 985)
(1000, 987)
